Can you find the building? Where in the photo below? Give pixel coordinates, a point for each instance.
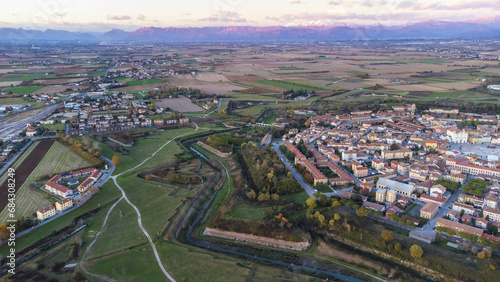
(492, 214)
(397, 154)
(298, 154)
(380, 195)
(458, 227)
(482, 223)
(473, 169)
(453, 215)
(390, 197)
(360, 171)
(377, 164)
(457, 136)
(439, 199)
(316, 174)
(491, 200)
(437, 190)
(429, 210)
(64, 204)
(373, 206)
(349, 155)
(266, 140)
(400, 188)
(404, 168)
(468, 209)
(46, 213)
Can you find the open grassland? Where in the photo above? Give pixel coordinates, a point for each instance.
(246, 211)
(285, 85)
(120, 233)
(305, 83)
(26, 77)
(289, 68)
(23, 89)
(143, 82)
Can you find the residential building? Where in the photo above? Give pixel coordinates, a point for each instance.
(390, 197)
(46, 213)
(64, 204)
(492, 214)
(468, 209)
(481, 223)
(491, 200)
(380, 195)
(437, 190)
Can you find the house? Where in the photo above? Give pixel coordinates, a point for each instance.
(366, 186)
(266, 140)
(377, 164)
(403, 201)
(360, 171)
(429, 210)
(349, 155)
(373, 206)
(30, 131)
(439, 200)
(453, 215)
(481, 223)
(437, 190)
(458, 227)
(159, 122)
(467, 218)
(64, 204)
(46, 213)
(184, 120)
(415, 221)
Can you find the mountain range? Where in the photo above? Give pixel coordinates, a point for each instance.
(482, 27)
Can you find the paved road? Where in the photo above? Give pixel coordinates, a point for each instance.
(428, 229)
(7, 126)
(309, 190)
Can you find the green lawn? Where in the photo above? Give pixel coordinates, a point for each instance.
(19, 101)
(271, 119)
(437, 80)
(299, 197)
(143, 82)
(55, 126)
(246, 211)
(284, 85)
(24, 89)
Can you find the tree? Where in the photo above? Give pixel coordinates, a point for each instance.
(336, 217)
(397, 247)
(321, 219)
(148, 177)
(416, 251)
(224, 209)
(492, 229)
(311, 203)
(222, 114)
(116, 160)
(362, 212)
(394, 146)
(484, 254)
(336, 204)
(251, 195)
(387, 235)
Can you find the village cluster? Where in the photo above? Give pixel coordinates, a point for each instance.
(406, 158)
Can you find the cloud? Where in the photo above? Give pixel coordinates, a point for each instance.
(335, 2)
(141, 17)
(481, 4)
(60, 15)
(118, 17)
(224, 16)
(295, 2)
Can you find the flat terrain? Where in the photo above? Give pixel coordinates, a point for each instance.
(181, 104)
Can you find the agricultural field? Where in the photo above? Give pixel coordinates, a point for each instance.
(24, 89)
(143, 82)
(26, 77)
(285, 85)
(181, 104)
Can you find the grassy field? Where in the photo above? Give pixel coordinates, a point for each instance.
(143, 82)
(289, 68)
(26, 77)
(437, 80)
(423, 61)
(284, 85)
(306, 83)
(55, 126)
(24, 89)
(58, 159)
(356, 72)
(256, 87)
(271, 119)
(246, 211)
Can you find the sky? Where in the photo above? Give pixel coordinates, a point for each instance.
(104, 15)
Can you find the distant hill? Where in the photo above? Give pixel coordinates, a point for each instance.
(481, 27)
